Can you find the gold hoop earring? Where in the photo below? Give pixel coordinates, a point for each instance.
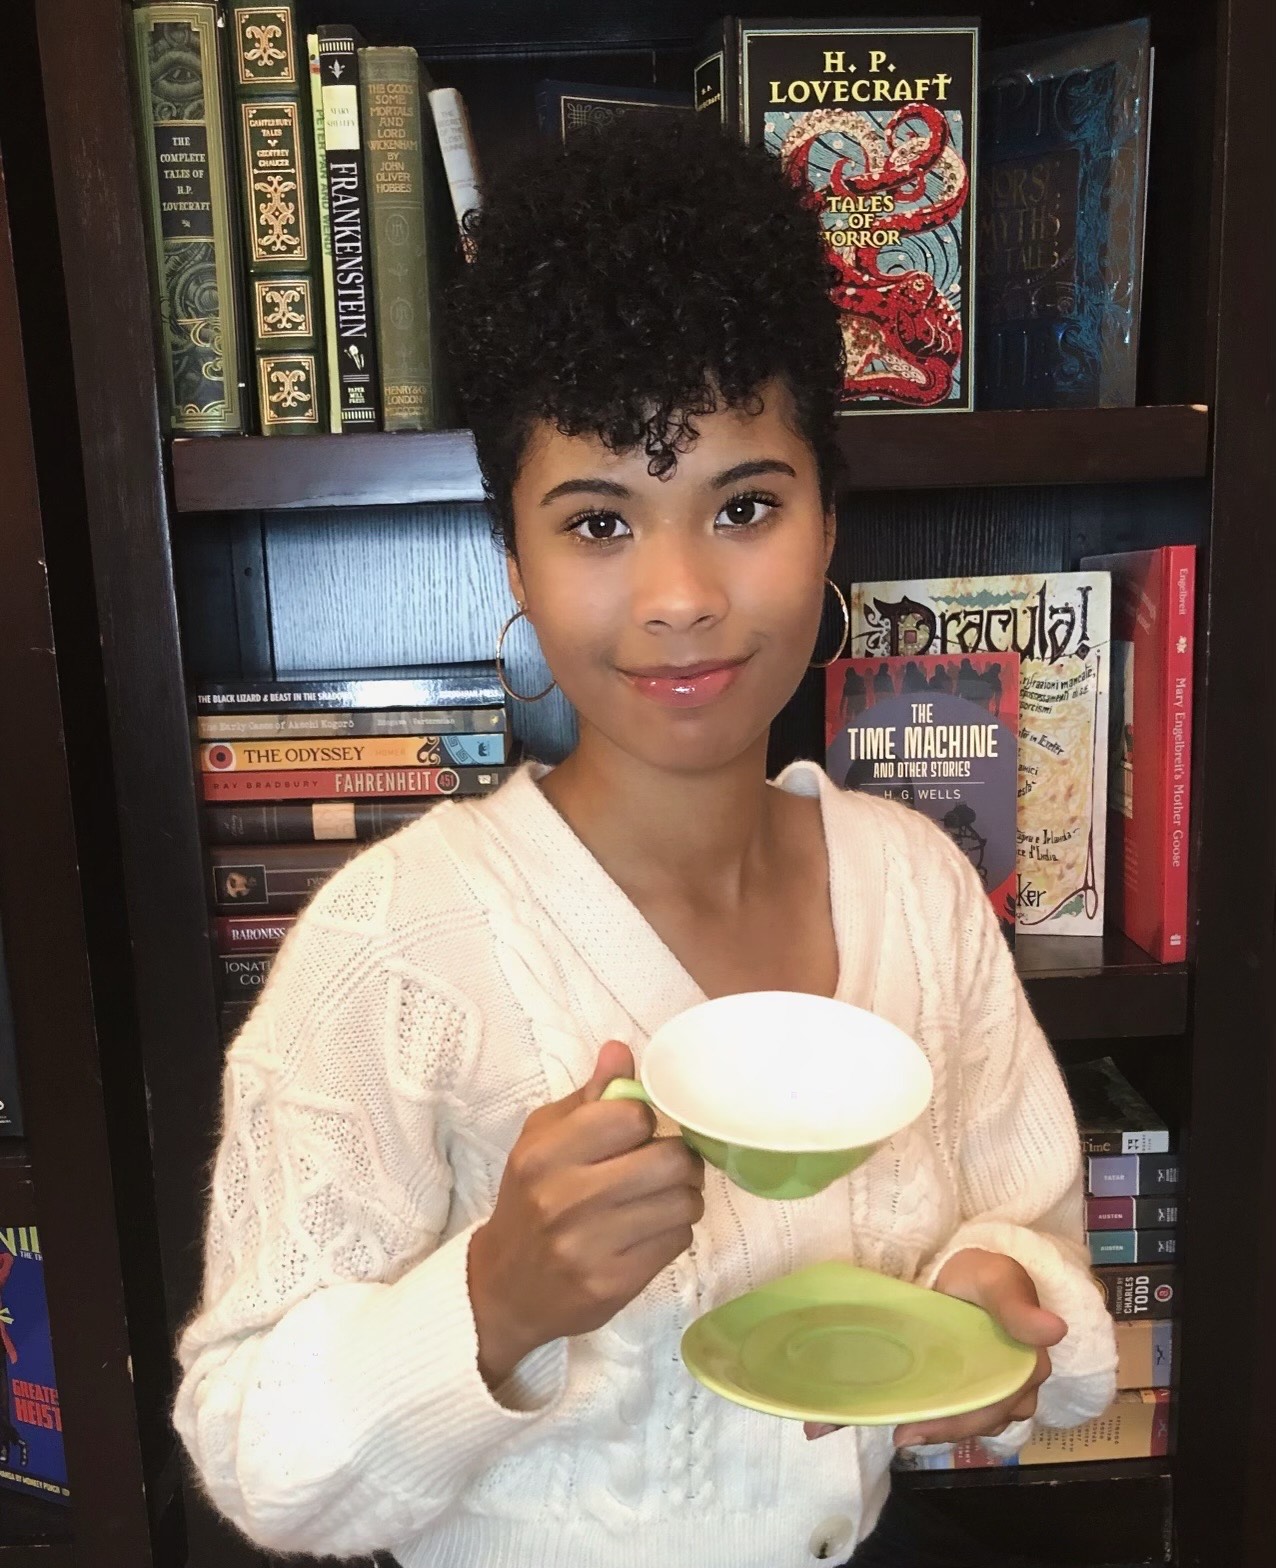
(846, 628)
(500, 668)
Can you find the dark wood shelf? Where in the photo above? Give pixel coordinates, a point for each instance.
(1132, 1470)
(889, 452)
(1093, 988)
(34, 1533)
(17, 1197)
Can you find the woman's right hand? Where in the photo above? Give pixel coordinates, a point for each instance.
(591, 1208)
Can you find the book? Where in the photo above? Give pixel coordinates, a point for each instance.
(404, 179)
(876, 122)
(1112, 1116)
(565, 109)
(10, 1101)
(1132, 1246)
(332, 356)
(410, 686)
(349, 224)
(279, 214)
(1138, 1291)
(1059, 625)
(380, 751)
(279, 878)
(316, 784)
(241, 976)
(460, 158)
(1062, 201)
(1155, 1213)
(372, 721)
(1145, 1353)
(940, 735)
(32, 1459)
(190, 213)
(248, 934)
(1149, 793)
(1136, 1425)
(1133, 1175)
(300, 822)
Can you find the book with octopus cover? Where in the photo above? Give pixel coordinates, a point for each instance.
(1059, 625)
(875, 121)
(940, 735)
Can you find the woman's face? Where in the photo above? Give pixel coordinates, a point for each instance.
(676, 614)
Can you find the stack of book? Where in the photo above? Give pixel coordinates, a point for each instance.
(300, 772)
(1133, 1183)
(303, 196)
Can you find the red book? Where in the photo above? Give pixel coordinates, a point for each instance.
(250, 934)
(351, 783)
(1150, 750)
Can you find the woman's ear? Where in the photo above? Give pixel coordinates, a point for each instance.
(515, 579)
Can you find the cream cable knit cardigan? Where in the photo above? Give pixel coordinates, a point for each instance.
(442, 985)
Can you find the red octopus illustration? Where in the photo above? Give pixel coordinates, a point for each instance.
(902, 334)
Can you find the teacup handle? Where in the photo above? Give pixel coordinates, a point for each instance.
(626, 1089)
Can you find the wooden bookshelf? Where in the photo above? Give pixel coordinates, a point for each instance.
(33, 1533)
(1101, 988)
(1021, 447)
(17, 1196)
(199, 550)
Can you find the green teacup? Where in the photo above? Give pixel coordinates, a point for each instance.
(781, 1090)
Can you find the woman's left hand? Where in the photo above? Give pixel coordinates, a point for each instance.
(1004, 1289)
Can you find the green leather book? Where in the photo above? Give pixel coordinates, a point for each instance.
(405, 183)
(182, 99)
(269, 73)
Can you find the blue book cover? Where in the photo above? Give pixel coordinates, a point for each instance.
(31, 1454)
(1132, 1246)
(1063, 190)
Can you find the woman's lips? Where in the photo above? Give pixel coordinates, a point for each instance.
(691, 688)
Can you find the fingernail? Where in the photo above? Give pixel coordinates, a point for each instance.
(909, 1437)
(819, 1429)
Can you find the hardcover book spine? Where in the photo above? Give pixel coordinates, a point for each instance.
(383, 751)
(332, 361)
(184, 138)
(1131, 1213)
(245, 934)
(1145, 1353)
(1179, 598)
(716, 78)
(1138, 1291)
(460, 160)
(312, 822)
(429, 688)
(240, 976)
(348, 216)
(277, 879)
(1133, 1246)
(1113, 1141)
(351, 783)
(277, 205)
(393, 139)
(412, 721)
(1134, 1175)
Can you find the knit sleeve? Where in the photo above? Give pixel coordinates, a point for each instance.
(1019, 1163)
(330, 1394)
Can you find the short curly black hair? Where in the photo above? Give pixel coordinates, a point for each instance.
(642, 276)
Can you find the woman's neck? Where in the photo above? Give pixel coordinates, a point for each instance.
(703, 837)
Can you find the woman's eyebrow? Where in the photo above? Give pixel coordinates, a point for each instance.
(586, 487)
(750, 470)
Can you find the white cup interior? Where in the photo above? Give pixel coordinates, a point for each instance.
(786, 1070)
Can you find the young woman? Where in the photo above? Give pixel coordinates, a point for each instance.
(446, 1283)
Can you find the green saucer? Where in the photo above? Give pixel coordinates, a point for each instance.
(836, 1343)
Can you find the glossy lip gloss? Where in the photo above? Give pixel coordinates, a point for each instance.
(693, 687)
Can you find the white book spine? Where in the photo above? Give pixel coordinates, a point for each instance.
(457, 146)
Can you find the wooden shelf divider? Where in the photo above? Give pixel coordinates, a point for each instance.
(887, 452)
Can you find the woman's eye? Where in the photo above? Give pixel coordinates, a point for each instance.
(600, 527)
(741, 511)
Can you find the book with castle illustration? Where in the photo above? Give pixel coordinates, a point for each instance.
(1059, 625)
(940, 735)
